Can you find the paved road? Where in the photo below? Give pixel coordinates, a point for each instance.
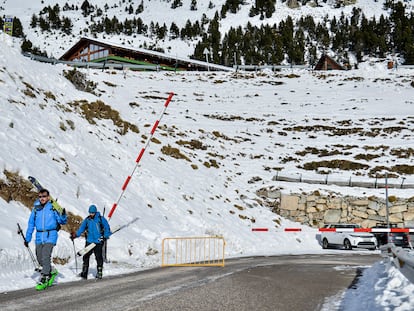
(261, 283)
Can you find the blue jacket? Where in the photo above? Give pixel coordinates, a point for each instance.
(96, 227)
(45, 219)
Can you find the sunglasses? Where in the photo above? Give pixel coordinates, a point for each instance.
(43, 196)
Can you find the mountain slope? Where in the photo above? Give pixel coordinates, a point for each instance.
(223, 137)
(55, 43)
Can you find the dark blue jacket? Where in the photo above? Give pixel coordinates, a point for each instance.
(96, 227)
(46, 220)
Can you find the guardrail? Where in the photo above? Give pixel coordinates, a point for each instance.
(104, 65)
(404, 260)
(270, 67)
(349, 183)
(193, 251)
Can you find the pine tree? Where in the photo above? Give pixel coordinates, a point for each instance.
(141, 27)
(162, 31)
(54, 18)
(26, 45)
(33, 22)
(265, 8)
(193, 5)
(174, 31)
(214, 37)
(67, 25)
(128, 27)
(43, 24)
(176, 3)
(186, 32)
(85, 7)
(233, 5)
(299, 47)
(140, 8)
(17, 28)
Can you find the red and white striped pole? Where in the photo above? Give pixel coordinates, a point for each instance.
(128, 179)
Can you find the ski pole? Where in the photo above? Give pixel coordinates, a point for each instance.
(124, 186)
(76, 260)
(34, 260)
(104, 244)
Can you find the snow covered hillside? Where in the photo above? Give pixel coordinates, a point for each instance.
(223, 137)
(55, 43)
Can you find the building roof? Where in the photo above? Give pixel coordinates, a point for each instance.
(143, 53)
(327, 63)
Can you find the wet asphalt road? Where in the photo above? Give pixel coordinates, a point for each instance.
(279, 283)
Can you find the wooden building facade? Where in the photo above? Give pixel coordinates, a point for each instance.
(327, 63)
(97, 51)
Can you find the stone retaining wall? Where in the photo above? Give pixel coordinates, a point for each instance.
(316, 210)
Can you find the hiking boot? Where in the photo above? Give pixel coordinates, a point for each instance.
(84, 273)
(52, 277)
(43, 279)
(43, 283)
(99, 273)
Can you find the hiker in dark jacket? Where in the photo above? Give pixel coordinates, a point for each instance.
(47, 222)
(97, 231)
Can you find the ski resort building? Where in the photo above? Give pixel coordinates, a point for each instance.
(99, 51)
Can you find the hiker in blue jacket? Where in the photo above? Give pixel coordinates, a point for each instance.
(97, 231)
(47, 222)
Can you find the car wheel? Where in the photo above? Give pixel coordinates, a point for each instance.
(325, 244)
(347, 244)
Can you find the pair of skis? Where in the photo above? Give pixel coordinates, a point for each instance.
(38, 186)
(92, 245)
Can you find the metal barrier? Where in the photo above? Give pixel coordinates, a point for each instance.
(404, 260)
(193, 251)
(349, 183)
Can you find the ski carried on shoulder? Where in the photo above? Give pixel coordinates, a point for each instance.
(91, 246)
(39, 187)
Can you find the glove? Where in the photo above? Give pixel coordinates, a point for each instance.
(102, 240)
(63, 212)
(26, 243)
(73, 236)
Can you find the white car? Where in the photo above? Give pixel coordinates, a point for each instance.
(345, 235)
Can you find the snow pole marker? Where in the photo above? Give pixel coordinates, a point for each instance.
(128, 179)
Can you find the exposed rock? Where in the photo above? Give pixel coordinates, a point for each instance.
(332, 216)
(317, 210)
(289, 202)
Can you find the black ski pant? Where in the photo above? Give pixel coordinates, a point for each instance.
(97, 250)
